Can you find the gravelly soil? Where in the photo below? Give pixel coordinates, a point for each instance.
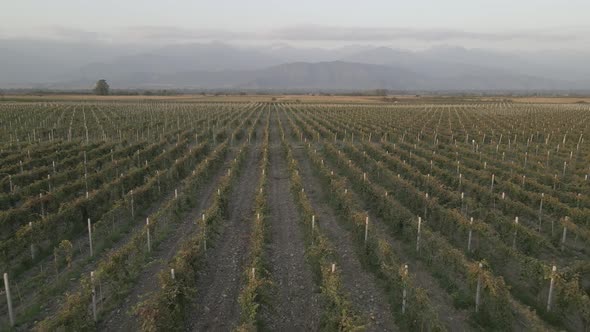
(120, 319)
(363, 289)
(294, 297)
(218, 283)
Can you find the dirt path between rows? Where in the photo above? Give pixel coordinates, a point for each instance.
(219, 282)
(294, 299)
(362, 287)
(120, 318)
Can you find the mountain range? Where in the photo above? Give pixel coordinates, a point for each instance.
(62, 65)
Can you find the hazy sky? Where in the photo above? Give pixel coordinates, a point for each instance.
(502, 24)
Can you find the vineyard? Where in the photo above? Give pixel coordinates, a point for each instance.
(217, 215)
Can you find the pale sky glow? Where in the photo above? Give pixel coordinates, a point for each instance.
(523, 24)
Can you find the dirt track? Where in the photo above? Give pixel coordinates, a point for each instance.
(218, 283)
(366, 295)
(294, 300)
(120, 319)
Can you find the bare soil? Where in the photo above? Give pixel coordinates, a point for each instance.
(294, 299)
(362, 286)
(219, 282)
(120, 319)
(454, 319)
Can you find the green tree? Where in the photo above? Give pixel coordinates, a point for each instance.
(101, 88)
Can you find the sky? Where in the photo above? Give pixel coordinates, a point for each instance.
(497, 24)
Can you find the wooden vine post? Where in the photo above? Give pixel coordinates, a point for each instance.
(404, 292)
(563, 236)
(8, 299)
(132, 209)
(515, 232)
(462, 201)
(149, 240)
(204, 233)
(312, 228)
(470, 234)
(541, 210)
(93, 289)
(551, 286)
(366, 229)
(90, 237)
(418, 236)
(32, 243)
(478, 289)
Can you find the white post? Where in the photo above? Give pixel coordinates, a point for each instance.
(551, 285)
(149, 242)
(90, 237)
(333, 267)
(158, 176)
(404, 294)
(541, 210)
(492, 186)
(32, 244)
(462, 199)
(366, 229)
(172, 275)
(418, 237)
(515, 232)
(563, 237)
(204, 233)
(93, 295)
(132, 211)
(469, 238)
(478, 290)
(8, 299)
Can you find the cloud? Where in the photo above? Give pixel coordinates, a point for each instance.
(170, 33)
(306, 34)
(71, 34)
(319, 33)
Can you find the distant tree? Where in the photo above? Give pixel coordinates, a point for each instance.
(381, 92)
(101, 88)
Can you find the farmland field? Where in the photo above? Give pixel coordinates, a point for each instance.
(205, 214)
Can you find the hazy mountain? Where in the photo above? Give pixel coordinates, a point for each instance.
(29, 62)
(183, 57)
(25, 63)
(335, 75)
